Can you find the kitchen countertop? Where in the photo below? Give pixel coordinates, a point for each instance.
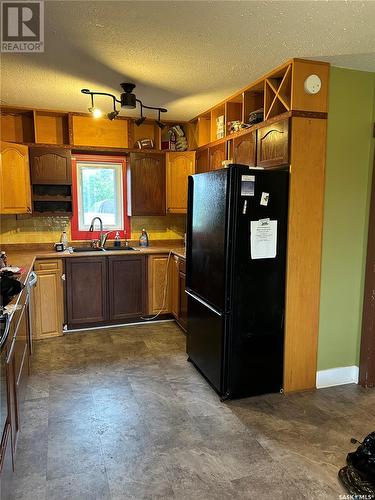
(25, 258)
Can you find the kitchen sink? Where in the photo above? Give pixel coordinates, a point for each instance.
(109, 249)
(86, 249)
(117, 249)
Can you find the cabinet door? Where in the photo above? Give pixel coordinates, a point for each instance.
(217, 155)
(127, 287)
(21, 362)
(50, 165)
(146, 181)
(182, 320)
(86, 291)
(15, 194)
(12, 393)
(201, 161)
(158, 284)
(244, 149)
(175, 288)
(6, 464)
(179, 167)
(48, 300)
(273, 145)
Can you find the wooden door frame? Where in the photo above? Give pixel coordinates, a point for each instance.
(367, 356)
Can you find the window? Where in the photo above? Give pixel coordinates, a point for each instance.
(99, 190)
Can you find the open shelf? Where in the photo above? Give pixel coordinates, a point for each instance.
(233, 111)
(17, 125)
(253, 99)
(51, 128)
(52, 199)
(165, 143)
(218, 122)
(277, 90)
(147, 130)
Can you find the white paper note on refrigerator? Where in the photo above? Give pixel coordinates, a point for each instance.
(263, 239)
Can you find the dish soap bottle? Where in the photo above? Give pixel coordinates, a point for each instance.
(64, 240)
(117, 239)
(143, 239)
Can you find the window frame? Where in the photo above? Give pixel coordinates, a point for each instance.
(78, 234)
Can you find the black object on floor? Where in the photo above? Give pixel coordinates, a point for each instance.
(358, 477)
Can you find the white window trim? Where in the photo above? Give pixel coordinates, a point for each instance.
(119, 193)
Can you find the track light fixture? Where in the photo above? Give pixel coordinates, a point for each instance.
(128, 100)
(159, 123)
(141, 119)
(96, 113)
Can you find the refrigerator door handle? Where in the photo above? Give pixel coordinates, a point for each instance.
(204, 303)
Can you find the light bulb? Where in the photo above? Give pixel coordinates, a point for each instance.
(96, 113)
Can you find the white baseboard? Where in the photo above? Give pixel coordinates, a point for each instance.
(337, 376)
(137, 323)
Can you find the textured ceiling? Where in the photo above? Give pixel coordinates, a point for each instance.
(185, 56)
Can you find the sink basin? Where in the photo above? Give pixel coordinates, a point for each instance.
(86, 249)
(109, 249)
(118, 249)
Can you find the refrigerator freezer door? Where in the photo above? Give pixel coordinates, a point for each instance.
(206, 236)
(205, 340)
(258, 287)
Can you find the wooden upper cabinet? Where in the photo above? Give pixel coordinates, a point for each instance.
(201, 161)
(146, 184)
(50, 166)
(273, 145)
(15, 194)
(217, 155)
(244, 149)
(179, 167)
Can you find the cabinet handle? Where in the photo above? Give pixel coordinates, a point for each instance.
(63, 277)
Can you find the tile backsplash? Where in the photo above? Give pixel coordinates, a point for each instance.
(27, 229)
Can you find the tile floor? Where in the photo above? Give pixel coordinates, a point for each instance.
(120, 414)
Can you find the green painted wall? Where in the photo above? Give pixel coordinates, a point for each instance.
(348, 176)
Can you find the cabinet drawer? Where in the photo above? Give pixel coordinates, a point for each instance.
(182, 265)
(48, 265)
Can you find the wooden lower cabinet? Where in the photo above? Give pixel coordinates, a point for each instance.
(178, 295)
(21, 364)
(175, 288)
(127, 284)
(6, 464)
(104, 290)
(48, 299)
(86, 291)
(182, 319)
(158, 295)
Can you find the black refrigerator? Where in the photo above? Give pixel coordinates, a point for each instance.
(235, 278)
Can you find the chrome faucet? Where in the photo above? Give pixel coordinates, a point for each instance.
(102, 236)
